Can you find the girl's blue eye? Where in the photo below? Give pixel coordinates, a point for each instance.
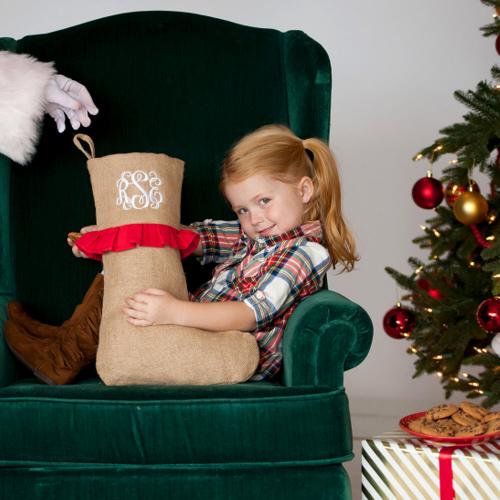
(241, 211)
(264, 201)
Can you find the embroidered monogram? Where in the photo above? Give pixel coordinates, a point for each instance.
(144, 185)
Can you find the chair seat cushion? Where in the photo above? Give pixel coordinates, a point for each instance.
(247, 423)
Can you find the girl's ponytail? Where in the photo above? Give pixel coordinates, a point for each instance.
(326, 204)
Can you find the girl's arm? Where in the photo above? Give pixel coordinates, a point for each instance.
(217, 239)
(158, 307)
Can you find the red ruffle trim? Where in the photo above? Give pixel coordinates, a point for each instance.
(120, 238)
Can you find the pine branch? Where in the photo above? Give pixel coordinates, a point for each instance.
(494, 27)
(402, 280)
(481, 101)
(491, 29)
(474, 138)
(491, 3)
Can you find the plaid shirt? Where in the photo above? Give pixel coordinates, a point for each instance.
(271, 275)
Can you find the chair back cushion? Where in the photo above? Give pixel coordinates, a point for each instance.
(164, 82)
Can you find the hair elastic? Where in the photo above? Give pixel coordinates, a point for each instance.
(309, 153)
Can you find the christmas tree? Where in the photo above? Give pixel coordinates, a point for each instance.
(451, 314)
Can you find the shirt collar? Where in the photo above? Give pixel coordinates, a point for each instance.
(311, 230)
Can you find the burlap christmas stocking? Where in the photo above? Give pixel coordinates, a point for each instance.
(137, 200)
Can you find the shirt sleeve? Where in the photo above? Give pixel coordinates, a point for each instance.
(290, 274)
(217, 239)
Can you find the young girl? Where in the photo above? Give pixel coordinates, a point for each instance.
(290, 229)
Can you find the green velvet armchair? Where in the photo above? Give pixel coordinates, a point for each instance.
(189, 86)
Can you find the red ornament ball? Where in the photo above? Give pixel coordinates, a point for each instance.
(423, 284)
(427, 192)
(497, 44)
(488, 315)
(397, 321)
(453, 191)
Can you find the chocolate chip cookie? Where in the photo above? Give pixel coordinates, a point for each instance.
(464, 419)
(441, 411)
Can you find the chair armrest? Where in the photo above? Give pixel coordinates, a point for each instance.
(326, 335)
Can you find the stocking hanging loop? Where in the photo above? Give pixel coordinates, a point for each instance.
(90, 143)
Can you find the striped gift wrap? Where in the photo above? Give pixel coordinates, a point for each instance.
(398, 466)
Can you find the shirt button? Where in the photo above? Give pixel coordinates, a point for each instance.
(260, 295)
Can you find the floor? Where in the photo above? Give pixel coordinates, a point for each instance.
(354, 470)
(372, 417)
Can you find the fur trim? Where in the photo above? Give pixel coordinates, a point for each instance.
(22, 103)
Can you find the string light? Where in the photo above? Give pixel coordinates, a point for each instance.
(439, 374)
(480, 350)
(439, 356)
(465, 375)
(419, 270)
(492, 218)
(423, 228)
(452, 162)
(418, 156)
(491, 238)
(438, 234)
(437, 148)
(427, 309)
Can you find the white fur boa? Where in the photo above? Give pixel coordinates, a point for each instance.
(22, 102)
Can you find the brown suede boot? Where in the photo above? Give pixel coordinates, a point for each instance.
(16, 313)
(56, 357)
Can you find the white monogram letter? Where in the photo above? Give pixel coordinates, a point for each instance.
(145, 184)
(155, 197)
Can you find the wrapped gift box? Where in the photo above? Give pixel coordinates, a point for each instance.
(396, 465)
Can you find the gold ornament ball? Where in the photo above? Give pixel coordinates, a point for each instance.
(470, 208)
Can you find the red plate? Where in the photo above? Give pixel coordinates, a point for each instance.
(403, 423)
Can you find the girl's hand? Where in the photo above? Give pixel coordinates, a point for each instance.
(151, 307)
(74, 248)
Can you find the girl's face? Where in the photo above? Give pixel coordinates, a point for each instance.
(268, 207)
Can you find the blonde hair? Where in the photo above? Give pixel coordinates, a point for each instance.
(276, 151)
